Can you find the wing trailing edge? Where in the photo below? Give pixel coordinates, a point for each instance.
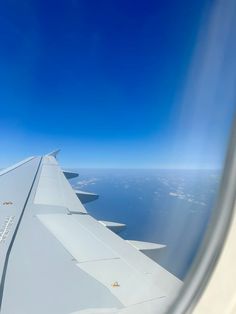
(70, 174)
(113, 226)
(86, 197)
(145, 246)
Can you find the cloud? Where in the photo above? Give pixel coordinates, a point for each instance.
(180, 195)
(83, 183)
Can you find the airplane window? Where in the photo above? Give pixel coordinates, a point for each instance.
(140, 98)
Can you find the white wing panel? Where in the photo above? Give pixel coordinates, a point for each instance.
(77, 240)
(54, 189)
(106, 274)
(146, 246)
(123, 281)
(128, 274)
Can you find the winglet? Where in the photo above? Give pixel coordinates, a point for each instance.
(54, 153)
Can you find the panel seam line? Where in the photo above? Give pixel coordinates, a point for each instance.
(14, 236)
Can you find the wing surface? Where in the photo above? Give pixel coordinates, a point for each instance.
(56, 258)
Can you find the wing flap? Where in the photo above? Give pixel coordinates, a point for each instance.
(86, 197)
(123, 281)
(113, 226)
(145, 246)
(128, 274)
(77, 240)
(70, 174)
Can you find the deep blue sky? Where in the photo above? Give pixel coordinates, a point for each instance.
(102, 81)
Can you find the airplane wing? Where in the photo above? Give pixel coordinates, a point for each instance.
(56, 258)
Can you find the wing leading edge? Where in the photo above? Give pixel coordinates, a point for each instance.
(79, 264)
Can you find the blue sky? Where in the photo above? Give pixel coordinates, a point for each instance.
(105, 81)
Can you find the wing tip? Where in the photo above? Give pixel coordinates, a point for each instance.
(54, 153)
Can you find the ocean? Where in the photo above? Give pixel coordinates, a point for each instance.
(170, 207)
